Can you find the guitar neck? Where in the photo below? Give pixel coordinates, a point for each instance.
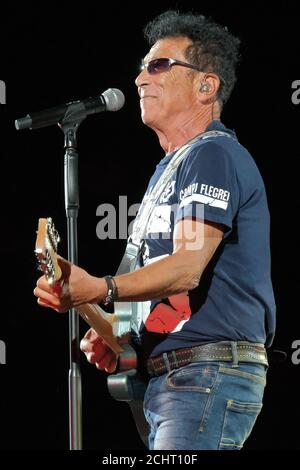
(101, 322)
(46, 251)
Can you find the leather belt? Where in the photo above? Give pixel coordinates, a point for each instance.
(228, 351)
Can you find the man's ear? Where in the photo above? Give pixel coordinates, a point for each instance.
(204, 87)
(210, 84)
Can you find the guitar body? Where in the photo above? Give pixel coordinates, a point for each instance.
(114, 329)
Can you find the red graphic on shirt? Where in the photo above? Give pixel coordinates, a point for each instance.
(165, 318)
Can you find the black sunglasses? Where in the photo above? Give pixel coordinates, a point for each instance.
(163, 65)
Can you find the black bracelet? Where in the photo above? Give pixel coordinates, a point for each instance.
(112, 290)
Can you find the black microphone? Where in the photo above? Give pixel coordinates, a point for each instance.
(111, 100)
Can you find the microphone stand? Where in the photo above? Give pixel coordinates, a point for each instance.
(72, 205)
(73, 114)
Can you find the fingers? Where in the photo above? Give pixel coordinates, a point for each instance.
(46, 304)
(53, 296)
(90, 341)
(95, 352)
(47, 292)
(46, 299)
(46, 296)
(91, 336)
(112, 365)
(102, 359)
(98, 353)
(43, 284)
(109, 363)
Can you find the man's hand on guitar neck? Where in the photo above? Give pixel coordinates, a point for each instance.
(97, 352)
(195, 243)
(76, 287)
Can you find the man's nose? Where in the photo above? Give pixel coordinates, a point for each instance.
(142, 78)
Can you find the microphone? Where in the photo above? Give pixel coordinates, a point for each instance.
(110, 100)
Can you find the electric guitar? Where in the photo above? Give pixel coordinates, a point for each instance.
(125, 385)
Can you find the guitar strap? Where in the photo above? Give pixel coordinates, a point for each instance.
(127, 311)
(135, 242)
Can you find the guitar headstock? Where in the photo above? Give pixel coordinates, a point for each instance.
(47, 240)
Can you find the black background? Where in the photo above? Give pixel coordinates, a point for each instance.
(56, 52)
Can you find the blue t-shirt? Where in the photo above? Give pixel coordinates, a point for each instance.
(217, 181)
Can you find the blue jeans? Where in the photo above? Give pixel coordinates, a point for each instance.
(204, 406)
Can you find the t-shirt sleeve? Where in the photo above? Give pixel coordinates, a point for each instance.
(207, 186)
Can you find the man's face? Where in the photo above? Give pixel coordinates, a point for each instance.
(168, 97)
